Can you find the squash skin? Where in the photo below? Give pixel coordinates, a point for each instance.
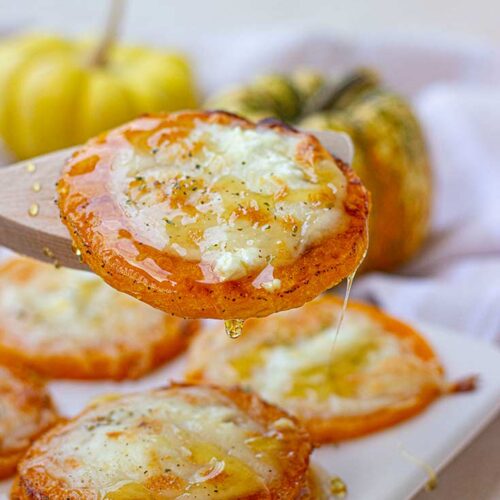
(52, 97)
(390, 152)
(183, 293)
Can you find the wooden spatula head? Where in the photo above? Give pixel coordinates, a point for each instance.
(29, 217)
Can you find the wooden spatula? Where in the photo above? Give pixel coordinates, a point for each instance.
(29, 217)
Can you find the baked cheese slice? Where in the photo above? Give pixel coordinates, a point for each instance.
(179, 442)
(378, 370)
(71, 324)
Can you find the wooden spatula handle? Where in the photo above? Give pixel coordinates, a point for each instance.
(29, 217)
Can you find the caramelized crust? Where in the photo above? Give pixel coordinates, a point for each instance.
(123, 252)
(241, 448)
(379, 372)
(70, 324)
(26, 412)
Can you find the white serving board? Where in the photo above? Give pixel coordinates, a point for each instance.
(374, 467)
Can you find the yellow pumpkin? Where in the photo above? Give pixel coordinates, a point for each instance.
(390, 153)
(52, 95)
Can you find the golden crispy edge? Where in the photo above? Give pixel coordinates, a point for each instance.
(94, 365)
(319, 268)
(326, 430)
(39, 484)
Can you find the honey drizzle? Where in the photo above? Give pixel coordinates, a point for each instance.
(234, 327)
(77, 252)
(337, 487)
(30, 167)
(50, 255)
(432, 480)
(33, 210)
(349, 282)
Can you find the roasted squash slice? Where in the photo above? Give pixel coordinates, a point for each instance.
(183, 441)
(210, 215)
(70, 324)
(379, 371)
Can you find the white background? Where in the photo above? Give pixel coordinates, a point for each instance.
(461, 18)
(475, 19)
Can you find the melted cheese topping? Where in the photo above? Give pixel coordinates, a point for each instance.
(234, 199)
(367, 368)
(60, 310)
(182, 443)
(23, 412)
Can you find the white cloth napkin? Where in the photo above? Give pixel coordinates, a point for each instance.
(455, 281)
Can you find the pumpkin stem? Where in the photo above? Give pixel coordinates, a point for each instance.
(110, 33)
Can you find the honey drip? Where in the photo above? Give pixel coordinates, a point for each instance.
(432, 480)
(349, 282)
(340, 320)
(337, 487)
(50, 255)
(30, 167)
(77, 252)
(33, 210)
(37, 187)
(234, 327)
